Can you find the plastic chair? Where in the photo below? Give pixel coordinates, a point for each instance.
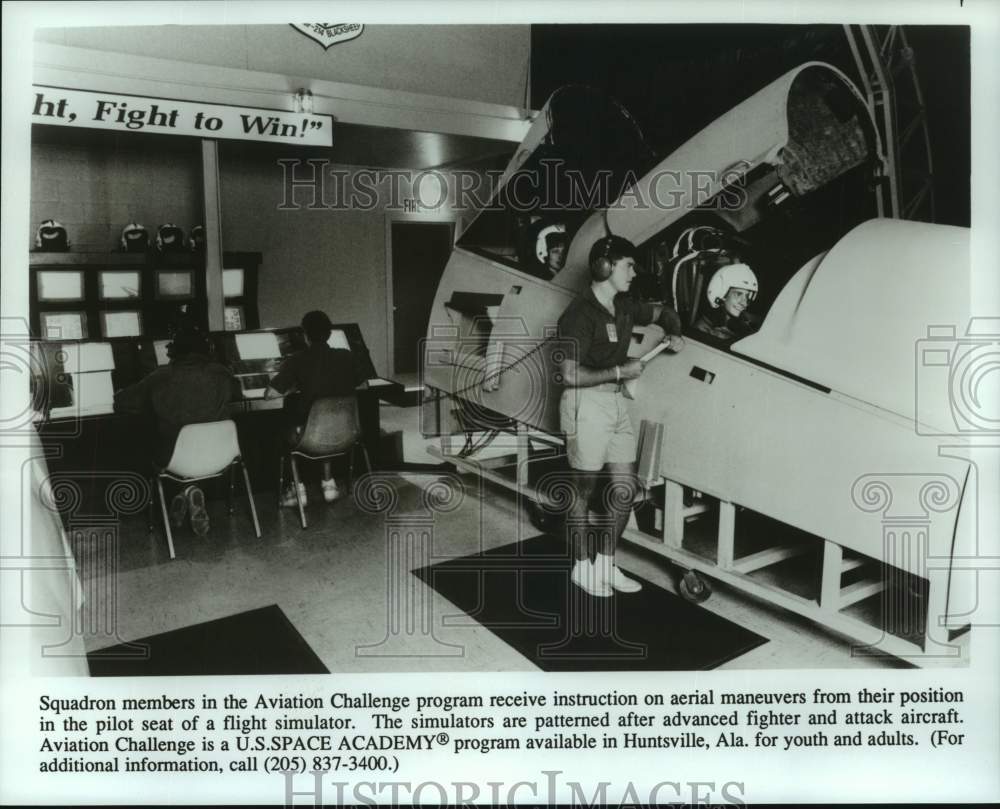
(203, 451)
(332, 429)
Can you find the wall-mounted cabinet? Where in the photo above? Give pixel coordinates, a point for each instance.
(79, 296)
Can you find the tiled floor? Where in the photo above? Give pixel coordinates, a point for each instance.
(354, 602)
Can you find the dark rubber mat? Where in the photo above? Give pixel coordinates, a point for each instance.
(522, 593)
(261, 641)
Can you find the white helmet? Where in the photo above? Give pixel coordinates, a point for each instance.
(726, 278)
(541, 243)
(51, 237)
(134, 238)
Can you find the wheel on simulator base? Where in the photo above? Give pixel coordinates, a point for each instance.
(694, 588)
(545, 521)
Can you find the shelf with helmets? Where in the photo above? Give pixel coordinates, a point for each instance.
(139, 289)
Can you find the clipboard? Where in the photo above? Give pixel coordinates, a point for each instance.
(631, 385)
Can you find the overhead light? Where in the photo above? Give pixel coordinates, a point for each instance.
(302, 101)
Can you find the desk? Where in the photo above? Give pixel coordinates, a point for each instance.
(93, 447)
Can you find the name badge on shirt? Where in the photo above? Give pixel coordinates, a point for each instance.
(612, 333)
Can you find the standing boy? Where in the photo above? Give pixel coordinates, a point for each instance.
(593, 411)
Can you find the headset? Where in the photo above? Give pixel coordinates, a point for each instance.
(605, 253)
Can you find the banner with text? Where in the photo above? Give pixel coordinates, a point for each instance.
(127, 113)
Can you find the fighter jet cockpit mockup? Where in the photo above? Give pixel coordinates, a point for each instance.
(805, 382)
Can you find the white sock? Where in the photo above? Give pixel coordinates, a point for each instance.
(603, 562)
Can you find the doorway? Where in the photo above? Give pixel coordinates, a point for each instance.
(418, 254)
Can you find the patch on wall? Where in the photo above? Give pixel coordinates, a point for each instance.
(329, 33)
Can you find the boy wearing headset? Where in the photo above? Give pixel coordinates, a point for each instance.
(593, 411)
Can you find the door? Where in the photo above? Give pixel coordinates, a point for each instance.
(420, 251)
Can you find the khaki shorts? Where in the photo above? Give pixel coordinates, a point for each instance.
(597, 427)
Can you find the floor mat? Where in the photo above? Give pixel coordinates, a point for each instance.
(522, 593)
(261, 641)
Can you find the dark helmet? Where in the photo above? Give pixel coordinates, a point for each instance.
(169, 237)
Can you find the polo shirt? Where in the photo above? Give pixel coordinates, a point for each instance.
(317, 372)
(601, 340)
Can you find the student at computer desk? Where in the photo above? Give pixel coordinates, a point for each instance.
(192, 388)
(315, 373)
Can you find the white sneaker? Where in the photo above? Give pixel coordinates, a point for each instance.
(585, 577)
(330, 490)
(289, 500)
(619, 581)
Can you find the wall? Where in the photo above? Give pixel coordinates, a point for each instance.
(95, 183)
(333, 260)
(478, 62)
(98, 185)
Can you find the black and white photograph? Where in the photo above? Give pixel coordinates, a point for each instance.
(501, 406)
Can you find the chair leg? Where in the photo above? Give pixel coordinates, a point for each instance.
(253, 508)
(166, 518)
(149, 505)
(232, 488)
(350, 468)
(368, 462)
(298, 493)
(281, 481)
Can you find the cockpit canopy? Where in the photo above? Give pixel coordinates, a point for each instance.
(773, 182)
(581, 153)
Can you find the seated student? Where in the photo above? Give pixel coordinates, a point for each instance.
(555, 256)
(315, 373)
(192, 388)
(730, 291)
(649, 284)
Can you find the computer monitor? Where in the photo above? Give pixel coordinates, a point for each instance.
(232, 283)
(120, 285)
(95, 391)
(90, 393)
(260, 345)
(121, 324)
(338, 339)
(83, 358)
(174, 284)
(63, 325)
(254, 385)
(60, 285)
(233, 318)
(160, 349)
